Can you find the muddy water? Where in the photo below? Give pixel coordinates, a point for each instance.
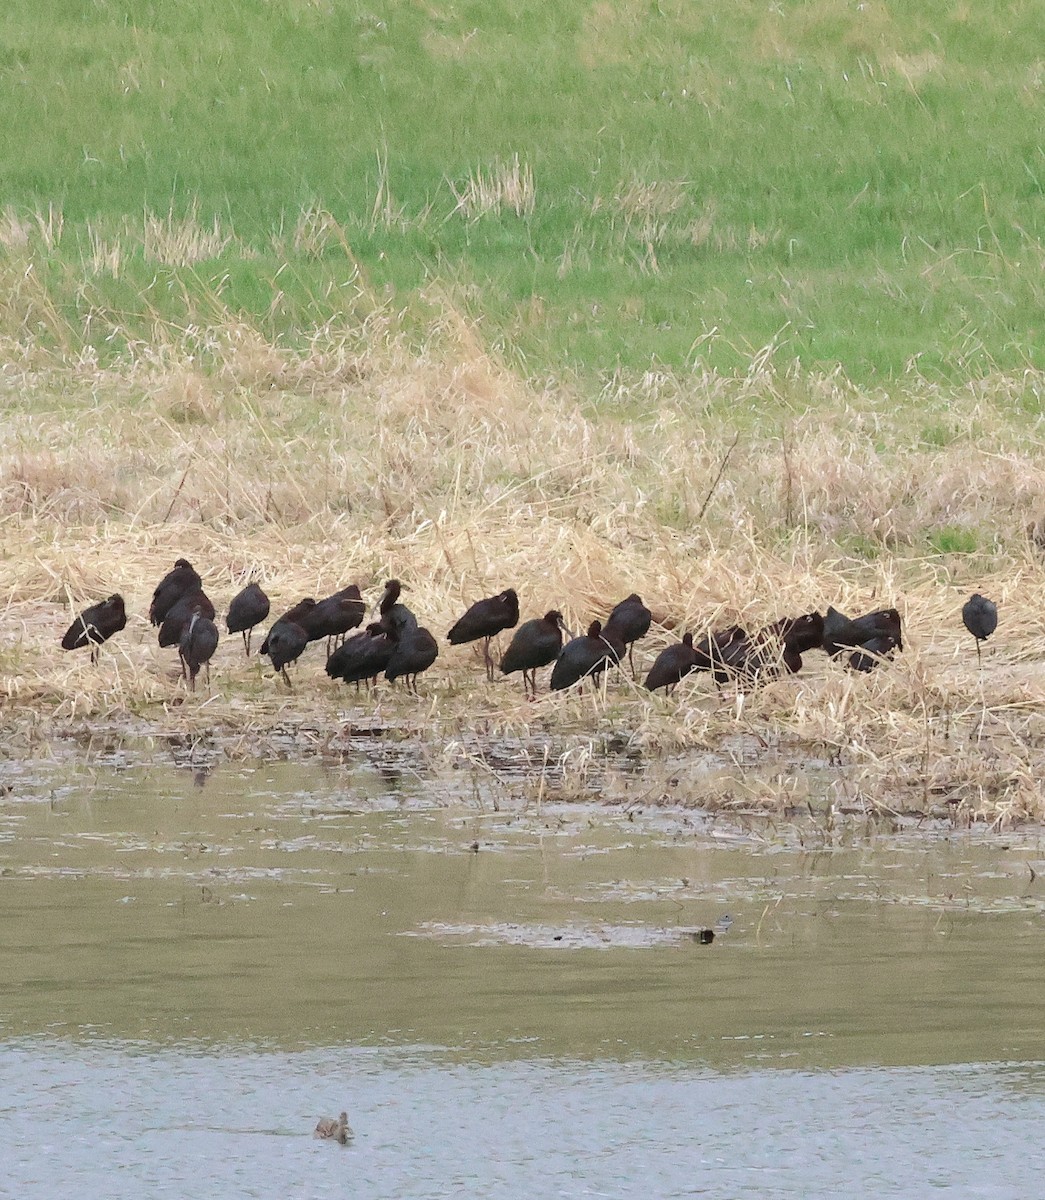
(197, 964)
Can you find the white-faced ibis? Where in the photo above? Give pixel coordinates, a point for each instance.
(672, 665)
(587, 655)
(334, 616)
(363, 656)
(175, 584)
(197, 646)
(629, 621)
(179, 615)
(285, 644)
(980, 616)
(337, 1131)
(534, 644)
(294, 615)
(96, 624)
(486, 619)
(414, 652)
(872, 653)
(247, 609)
(842, 633)
(395, 617)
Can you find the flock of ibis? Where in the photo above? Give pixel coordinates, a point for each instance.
(395, 645)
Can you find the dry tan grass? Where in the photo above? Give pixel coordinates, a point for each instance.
(718, 500)
(504, 187)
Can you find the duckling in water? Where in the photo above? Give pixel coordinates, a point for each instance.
(337, 1131)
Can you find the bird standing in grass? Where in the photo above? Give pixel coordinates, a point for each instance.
(980, 616)
(841, 633)
(285, 644)
(672, 665)
(96, 624)
(587, 655)
(414, 652)
(534, 644)
(175, 584)
(485, 619)
(629, 621)
(334, 616)
(395, 617)
(196, 646)
(363, 656)
(247, 609)
(295, 615)
(179, 615)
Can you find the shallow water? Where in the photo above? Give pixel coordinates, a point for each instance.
(197, 965)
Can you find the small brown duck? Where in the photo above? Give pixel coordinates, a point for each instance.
(338, 1131)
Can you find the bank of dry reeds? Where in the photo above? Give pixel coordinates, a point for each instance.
(718, 499)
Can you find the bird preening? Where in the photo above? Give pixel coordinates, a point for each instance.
(95, 625)
(396, 645)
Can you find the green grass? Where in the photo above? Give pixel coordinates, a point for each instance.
(853, 184)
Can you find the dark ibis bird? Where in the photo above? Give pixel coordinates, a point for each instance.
(295, 615)
(872, 653)
(486, 619)
(842, 633)
(628, 621)
(534, 644)
(395, 617)
(334, 616)
(981, 619)
(175, 584)
(179, 615)
(247, 609)
(414, 652)
(587, 655)
(672, 665)
(196, 646)
(720, 651)
(285, 644)
(96, 624)
(363, 656)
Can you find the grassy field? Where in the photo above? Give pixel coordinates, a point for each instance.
(598, 186)
(737, 308)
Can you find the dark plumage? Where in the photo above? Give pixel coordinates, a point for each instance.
(285, 643)
(733, 655)
(840, 632)
(334, 616)
(720, 649)
(396, 618)
(672, 664)
(534, 644)
(980, 616)
(178, 617)
(485, 619)
(197, 646)
(294, 615)
(362, 656)
(587, 655)
(871, 653)
(247, 609)
(175, 584)
(629, 621)
(96, 624)
(414, 652)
